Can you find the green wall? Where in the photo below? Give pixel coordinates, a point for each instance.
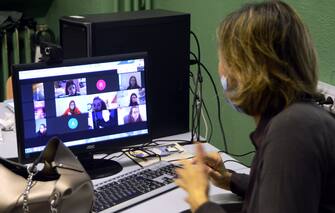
(205, 17)
(61, 8)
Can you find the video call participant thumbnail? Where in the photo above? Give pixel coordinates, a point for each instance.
(133, 83)
(42, 130)
(39, 109)
(38, 92)
(130, 80)
(104, 118)
(133, 116)
(72, 109)
(101, 116)
(133, 100)
(72, 87)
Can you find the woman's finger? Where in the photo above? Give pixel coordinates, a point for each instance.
(183, 172)
(200, 153)
(213, 160)
(214, 174)
(180, 172)
(180, 183)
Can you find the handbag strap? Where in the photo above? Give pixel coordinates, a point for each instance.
(32, 170)
(47, 155)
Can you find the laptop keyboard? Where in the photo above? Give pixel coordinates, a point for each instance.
(134, 187)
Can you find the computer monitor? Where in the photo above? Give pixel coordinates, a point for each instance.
(94, 105)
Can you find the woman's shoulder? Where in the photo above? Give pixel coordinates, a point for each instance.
(300, 123)
(303, 113)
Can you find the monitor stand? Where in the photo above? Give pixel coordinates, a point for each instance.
(99, 168)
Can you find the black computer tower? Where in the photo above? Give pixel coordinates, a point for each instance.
(163, 34)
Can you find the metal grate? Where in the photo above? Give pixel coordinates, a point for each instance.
(132, 5)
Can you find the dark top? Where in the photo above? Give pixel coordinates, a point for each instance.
(293, 169)
(133, 103)
(99, 122)
(40, 134)
(134, 87)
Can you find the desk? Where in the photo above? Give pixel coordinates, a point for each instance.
(172, 201)
(8, 148)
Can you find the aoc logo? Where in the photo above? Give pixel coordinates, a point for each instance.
(90, 147)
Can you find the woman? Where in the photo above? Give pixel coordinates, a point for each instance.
(98, 104)
(268, 69)
(133, 83)
(133, 100)
(101, 116)
(133, 116)
(71, 88)
(42, 130)
(72, 109)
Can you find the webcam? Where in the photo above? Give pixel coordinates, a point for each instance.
(51, 53)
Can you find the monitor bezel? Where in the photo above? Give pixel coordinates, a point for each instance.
(109, 146)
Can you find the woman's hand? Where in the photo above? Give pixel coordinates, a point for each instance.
(193, 178)
(217, 172)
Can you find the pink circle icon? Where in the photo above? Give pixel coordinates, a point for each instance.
(101, 84)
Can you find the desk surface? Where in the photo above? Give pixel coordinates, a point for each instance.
(172, 201)
(8, 148)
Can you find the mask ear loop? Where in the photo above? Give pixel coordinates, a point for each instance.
(224, 82)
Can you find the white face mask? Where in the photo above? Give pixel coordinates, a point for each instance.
(224, 83)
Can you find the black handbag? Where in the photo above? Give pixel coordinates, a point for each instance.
(62, 185)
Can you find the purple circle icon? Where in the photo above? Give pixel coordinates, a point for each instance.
(101, 84)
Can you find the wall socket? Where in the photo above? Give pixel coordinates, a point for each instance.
(329, 91)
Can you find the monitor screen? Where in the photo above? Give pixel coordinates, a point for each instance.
(91, 104)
